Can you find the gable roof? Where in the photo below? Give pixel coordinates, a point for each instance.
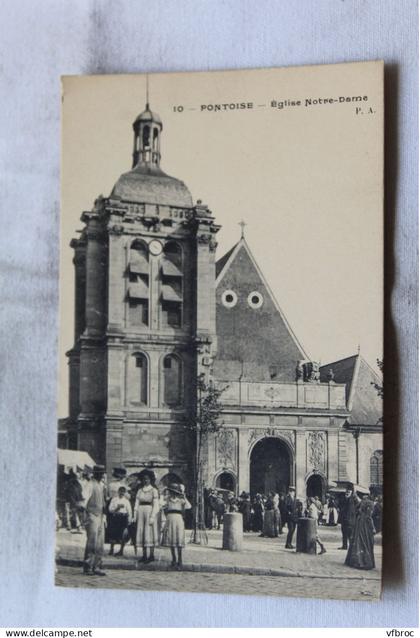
(258, 343)
(220, 263)
(225, 263)
(344, 372)
(363, 402)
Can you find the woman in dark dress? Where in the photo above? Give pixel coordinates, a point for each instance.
(269, 522)
(258, 517)
(377, 514)
(360, 553)
(245, 509)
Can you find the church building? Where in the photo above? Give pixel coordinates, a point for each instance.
(155, 310)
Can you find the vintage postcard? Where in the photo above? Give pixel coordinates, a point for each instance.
(220, 393)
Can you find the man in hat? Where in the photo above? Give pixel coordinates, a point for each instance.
(347, 516)
(95, 521)
(291, 515)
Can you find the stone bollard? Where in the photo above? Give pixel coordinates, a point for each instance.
(232, 531)
(306, 536)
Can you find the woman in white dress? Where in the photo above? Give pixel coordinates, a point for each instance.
(174, 532)
(145, 513)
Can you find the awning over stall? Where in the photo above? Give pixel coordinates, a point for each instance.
(74, 459)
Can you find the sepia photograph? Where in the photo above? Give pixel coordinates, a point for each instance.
(221, 332)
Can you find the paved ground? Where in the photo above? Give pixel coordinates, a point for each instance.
(337, 588)
(263, 567)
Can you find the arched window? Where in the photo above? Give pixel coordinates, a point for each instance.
(146, 137)
(173, 253)
(138, 285)
(226, 481)
(137, 379)
(376, 468)
(172, 285)
(172, 380)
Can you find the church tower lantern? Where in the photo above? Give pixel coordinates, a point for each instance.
(147, 128)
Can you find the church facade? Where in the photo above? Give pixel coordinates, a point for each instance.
(155, 311)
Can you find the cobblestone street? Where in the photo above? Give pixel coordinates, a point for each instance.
(294, 574)
(222, 584)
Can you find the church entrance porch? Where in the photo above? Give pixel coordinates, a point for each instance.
(315, 486)
(270, 467)
(226, 481)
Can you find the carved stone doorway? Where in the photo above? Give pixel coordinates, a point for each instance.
(270, 467)
(315, 486)
(226, 481)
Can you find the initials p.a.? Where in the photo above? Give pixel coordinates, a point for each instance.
(368, 111)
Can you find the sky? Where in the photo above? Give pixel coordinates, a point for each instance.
(306, 179)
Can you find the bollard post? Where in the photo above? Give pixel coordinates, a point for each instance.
(232, 531)
(306, 536)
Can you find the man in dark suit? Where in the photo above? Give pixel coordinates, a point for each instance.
(347, 515)
(291, 516)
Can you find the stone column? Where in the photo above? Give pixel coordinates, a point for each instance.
(155, 379)
(96, 266)
(205, 295)
(116, 380)
(79, 261)
(300, 463)
(116, 283)
(243, 460)
(155, 308)
(114, 444)
(74, 384)
(332, 455)
(93, 378)
(342, 456)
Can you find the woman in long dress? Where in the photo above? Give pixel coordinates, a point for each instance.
(360, 553)
(145, 513)
(269, 522)
(174, 532)
(258, 518)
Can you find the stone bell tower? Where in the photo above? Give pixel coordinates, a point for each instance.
(144, 317)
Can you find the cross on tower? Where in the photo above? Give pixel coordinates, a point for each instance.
(242, 224)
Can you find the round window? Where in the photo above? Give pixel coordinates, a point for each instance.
(255, 299)
(229, 298)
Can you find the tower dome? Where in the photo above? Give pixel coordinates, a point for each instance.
(146, 182)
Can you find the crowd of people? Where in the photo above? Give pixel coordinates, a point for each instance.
(267, 515)
(133, 510)
(117, 512)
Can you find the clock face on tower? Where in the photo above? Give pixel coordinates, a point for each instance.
(155, 247)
